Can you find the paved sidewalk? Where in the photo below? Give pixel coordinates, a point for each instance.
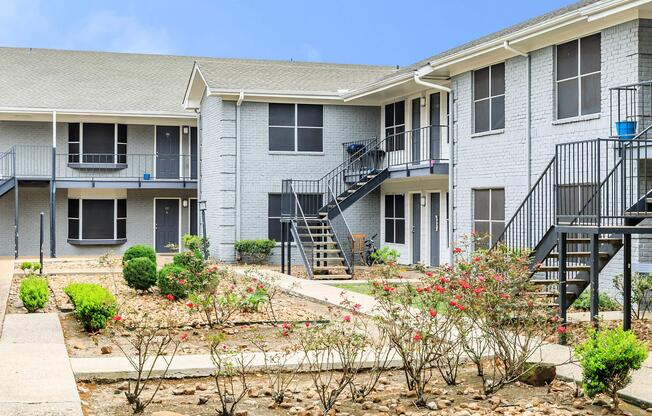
(35, 373)
(6, 275)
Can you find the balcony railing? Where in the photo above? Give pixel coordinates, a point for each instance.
(631, 110)
(35, 162)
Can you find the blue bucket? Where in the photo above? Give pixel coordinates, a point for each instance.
(626, 130)
(147, 176)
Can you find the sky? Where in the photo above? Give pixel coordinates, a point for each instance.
(354, 31)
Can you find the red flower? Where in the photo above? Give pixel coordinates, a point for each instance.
(460, 307)
(444, 280)
(261, 286)
(417, 337)
(504, 295)
(452, 303)
(285, 333)
(347, 318)
(170, 297)
(457, 250)
(307, 324)
(458, 297)
(562, 329)
(429, 274)
(250, 290)
(432, 312)
(498, 277)
(225, 348)
(357, 306)
(388, 288)
(190, 304)
(182, 282)
(440, 289)
(286, 325)
(419, 289)
(476, 258)
(465, 284)
(183, 337)
(117, 318)
(478, 290)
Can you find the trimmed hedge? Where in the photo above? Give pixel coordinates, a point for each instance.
(257, 250)
(140, 250)
(94, 305)
(605, 302)
(140, 273)
(34, 293)
(174, 279)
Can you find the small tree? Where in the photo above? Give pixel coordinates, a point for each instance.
(641, 293)
(607, 359)
(231, 366)
(151, 340)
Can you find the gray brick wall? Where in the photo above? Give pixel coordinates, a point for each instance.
(500, 160)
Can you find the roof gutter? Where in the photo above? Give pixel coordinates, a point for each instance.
(419, 81)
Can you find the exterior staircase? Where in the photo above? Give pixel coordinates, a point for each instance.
(7, 171)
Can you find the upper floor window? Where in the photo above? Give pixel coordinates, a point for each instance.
(489, 98)
(97, 143)
(395, 126)
(578, 77)
(489, 214)
(296, 128)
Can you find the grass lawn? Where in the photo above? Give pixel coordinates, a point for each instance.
(357, 288)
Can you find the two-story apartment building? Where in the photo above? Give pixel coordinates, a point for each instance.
(118, 148)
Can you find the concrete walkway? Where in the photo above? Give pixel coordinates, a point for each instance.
(35, 373)
(6, 275)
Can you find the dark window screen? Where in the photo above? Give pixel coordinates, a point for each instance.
(99, 143)
(98, 218)
(193, 217)
(73, 219)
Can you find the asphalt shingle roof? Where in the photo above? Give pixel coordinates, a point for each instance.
(139, 83)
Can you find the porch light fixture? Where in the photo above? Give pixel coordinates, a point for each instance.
(202, 205)
(184, 203)
(185, 129)
(423, 201)
(422, 101)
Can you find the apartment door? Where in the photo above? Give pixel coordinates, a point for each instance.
(416, 133)
(416, 228)
(167, 152)
(166, 224)
(435, 205)
(435, 122)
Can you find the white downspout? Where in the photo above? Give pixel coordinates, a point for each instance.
(430, 84)
(238, 198)
(528, 116)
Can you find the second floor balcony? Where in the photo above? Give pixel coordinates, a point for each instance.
(131, 170)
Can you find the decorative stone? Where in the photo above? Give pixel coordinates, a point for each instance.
(432, 406)
(107, 349)
(539, 374)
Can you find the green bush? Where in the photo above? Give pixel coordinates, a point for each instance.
(34, 293)
(140, 273)
(607, 359)
(641, 292)
(193, 242)
(257, 250)
(605, 303)
(94, 305)
(191, 260)
(174, 280)
(136, 251)
(30, 266)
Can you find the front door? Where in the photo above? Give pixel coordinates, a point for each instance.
(167, 152)
(416, 228)
(434, 228)
(416, 133)
(166, 224)
(435, 130)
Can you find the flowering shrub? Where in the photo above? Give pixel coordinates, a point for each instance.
(215, 296)
(175, 280)
(493, 291)
(231, 367)
(152, 339)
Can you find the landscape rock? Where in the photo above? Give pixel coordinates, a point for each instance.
(106, 349)
(539, 374)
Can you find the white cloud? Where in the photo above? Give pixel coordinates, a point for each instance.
(108, 31)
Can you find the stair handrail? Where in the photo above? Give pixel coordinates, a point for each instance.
(11, 164)
(305, 221)
(348, 229)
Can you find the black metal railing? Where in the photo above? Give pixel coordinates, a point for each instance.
(343, 235)
(419, 148)
(7, 165)
(145, 167)
(630, 109)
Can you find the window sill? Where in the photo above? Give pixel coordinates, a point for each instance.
(106, 166)
(275, 152)
(488, 133)
(577, 119)
(98, 242)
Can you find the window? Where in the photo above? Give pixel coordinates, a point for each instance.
(489, 214)
(489, 98)
(97, 219)
(575, 199)
(578, 77)
(97, 143)
(395, 219)
(310, 204)
(296, 128)
(193, 206)
(395, 126)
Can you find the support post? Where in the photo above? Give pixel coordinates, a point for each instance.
(283, 226)
(16, 212)
(563, 300)
(289, 249)
(53, 189)
(595, 277)
(627, 282)
(204, 240)
(41, 238)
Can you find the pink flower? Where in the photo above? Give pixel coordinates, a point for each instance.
(478, 290)
(347, 318)
(417, 337)
(504, 295)
(250, 290)
(170, 297)
(182, 282)
(357, 306)
(562, 329)
(225, 348)
(307, 324)
(117, 318)
(457, 250)
(429, 274)
(286, 325)
(285, 333)
(432, 312)
(183, 337)
(190, 304)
